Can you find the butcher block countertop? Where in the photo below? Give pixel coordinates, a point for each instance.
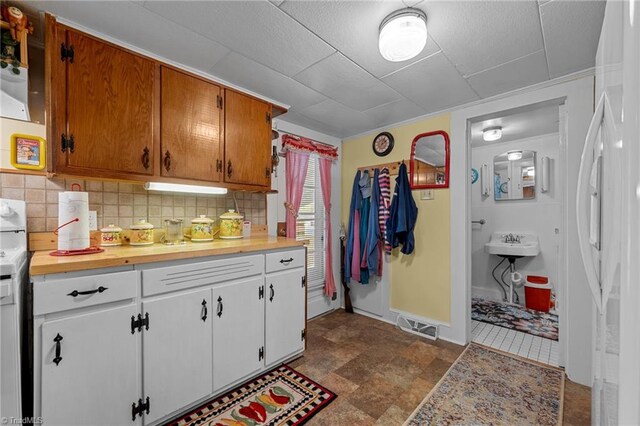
(43, 263)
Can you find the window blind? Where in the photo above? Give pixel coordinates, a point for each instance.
(310, 224)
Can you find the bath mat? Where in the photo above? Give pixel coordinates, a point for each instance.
(515, 317)
(489, 387)
(280, 397)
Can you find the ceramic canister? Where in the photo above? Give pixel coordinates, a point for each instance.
(141, 233)
(111, 236)
(231, 225)
(202, 229)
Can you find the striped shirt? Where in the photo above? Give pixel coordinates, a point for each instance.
(385, 202)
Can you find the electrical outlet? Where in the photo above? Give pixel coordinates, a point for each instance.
(426, 194)
(93, 221)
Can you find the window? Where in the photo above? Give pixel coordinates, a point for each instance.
(310, 224)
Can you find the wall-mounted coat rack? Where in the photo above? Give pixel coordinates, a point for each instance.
(393, 167)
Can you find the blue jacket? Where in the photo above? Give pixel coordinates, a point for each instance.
(373, 231)
(403, 214)
(356, 201)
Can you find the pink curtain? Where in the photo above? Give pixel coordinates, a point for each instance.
(325, 183)
(296, 166)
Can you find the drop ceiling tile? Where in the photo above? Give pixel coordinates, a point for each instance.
(433, 84)
(571, 33)
(123, 22)
(265, 81)
(412, 3)
(346, 120)
(477, 35)
(352, 28)
(513, 75)
(340, 79)
(394, 112)
(255, 29)
(294, 117)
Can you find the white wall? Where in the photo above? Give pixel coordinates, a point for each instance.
(317, 303)
(542, 216)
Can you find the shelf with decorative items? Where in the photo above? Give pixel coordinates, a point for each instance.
(15, 27)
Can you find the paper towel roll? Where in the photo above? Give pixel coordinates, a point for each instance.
(75, 235)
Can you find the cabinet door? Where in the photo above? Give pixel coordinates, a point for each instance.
(238, 331)
(285, 300)
(191, 131)
(176, 351)
(110, 109)
(96, 379)
(247, 143)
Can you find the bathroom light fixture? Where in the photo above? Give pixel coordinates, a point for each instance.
(491, 134)
(514, 155)
(402, 34)
(176, 187)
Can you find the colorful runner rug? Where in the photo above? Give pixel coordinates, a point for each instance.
(280, 397)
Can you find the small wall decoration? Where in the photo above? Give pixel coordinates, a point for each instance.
(28, 152)
(383, 144)
(474, 176)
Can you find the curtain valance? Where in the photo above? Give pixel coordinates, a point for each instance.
(308, 146)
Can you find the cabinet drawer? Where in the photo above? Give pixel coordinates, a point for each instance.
(285, 260)
(178, 277)
(80, 292)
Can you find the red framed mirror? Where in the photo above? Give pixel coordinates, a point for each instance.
(429, 167)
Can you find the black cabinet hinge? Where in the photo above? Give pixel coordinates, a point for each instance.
(142, 407)
(260, 292)
(303, 334)
(220, 102)
(67, 143)
(304, 281)
(139, 322)
(261, 353)
(268, 117)
(66, 53)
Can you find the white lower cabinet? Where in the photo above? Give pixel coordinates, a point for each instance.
(285, 314)
(176, 351)
(238, 331)
(89, 368)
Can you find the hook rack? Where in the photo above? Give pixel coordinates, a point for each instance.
(392, 166)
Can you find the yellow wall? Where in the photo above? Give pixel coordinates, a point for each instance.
(9, 127)
(420, 283)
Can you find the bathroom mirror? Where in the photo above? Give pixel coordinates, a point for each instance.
(514, 174)
(429, 166)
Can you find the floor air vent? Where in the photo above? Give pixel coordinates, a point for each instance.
(430, 331)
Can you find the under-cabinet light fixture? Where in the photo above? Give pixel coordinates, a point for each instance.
(176, 187)
(403, 34)
(492, 134)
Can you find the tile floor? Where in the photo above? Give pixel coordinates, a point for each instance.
(381, 373)
(516, 342)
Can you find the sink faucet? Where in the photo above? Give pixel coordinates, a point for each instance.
(512, 239)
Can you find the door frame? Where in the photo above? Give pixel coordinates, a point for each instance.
(578, 95)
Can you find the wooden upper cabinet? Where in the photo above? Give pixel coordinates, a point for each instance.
(190, 136)
(247, 147)
(109, 109)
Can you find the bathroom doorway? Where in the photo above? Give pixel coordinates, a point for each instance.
(517, 238)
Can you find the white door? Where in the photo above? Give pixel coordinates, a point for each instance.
(238, 331)
(89, 369)
(285, 320)
(177, 351)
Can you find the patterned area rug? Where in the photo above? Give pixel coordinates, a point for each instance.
(515, 317)
(489, 387)
(280, 397)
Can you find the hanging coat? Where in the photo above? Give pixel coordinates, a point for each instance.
(403, 214)
(384, 180)
(353, 233)
(373, 232)
(365, 191)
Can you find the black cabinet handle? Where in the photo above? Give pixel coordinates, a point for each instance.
(220, 306)
(76, 293)
(229, 169)
(58, 339)
(286, 261)
(145, 158)
(273, 293)
(204, 310)
(167, 160)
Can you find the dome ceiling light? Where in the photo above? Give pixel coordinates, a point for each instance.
(492, 134)
(403, 34)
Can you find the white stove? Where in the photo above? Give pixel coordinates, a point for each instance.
(13, 279)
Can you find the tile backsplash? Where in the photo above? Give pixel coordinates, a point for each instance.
(123, 203)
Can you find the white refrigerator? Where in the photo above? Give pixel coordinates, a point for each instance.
(608, 219)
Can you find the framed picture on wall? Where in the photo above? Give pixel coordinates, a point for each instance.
(28, 152)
